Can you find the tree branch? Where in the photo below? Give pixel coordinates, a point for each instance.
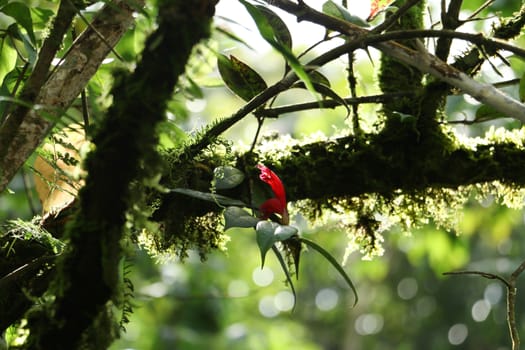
(65, 14)
(510, 285)
(477, 39)
(88, 271)
(386, 164)
(64, 85)
(274, 112)
(420, 59)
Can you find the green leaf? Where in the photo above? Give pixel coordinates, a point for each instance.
(334, 263)
(240, 78)
(335, 10)
(238, 217)
(8, 57)
(284, 232)
(14, 31)
(226, 177)
(41, 17)
(284, 266)
(268, 232)
(522, 88)
(267, 32)
(170, 135)
(210, 197)
(265, 236)
(194, 89)
(20, 12)
(319, 78)
(232, 36)
(280, 30)
(486, 113)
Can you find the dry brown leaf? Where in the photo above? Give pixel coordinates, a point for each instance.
(56, 182)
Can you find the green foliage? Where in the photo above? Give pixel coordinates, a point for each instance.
(240, 78)
(32, 231)
(333, 9)
(277, 37)
(7, 59)
(268, 233)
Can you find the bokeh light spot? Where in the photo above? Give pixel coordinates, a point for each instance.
(262, 277)
(457, 334)
(284, 301)
(480, 310)
(326, 299)
(493, 293)
(238, 289)
(407, 288)
(368, 324)
(267, 307)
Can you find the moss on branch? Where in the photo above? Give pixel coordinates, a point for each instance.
(88, 276)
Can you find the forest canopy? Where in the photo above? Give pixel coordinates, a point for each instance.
(168, 129)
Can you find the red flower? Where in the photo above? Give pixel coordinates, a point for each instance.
(276, 205)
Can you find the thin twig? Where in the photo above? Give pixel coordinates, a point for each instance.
(510, 284)
(486, 275)
(276, 111)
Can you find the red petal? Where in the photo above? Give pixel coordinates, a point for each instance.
(271, 206)
(275, 183)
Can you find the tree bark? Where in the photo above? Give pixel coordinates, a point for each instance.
(63, 86)
(88, 276)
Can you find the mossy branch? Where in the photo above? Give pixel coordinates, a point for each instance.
(347, 168)
(88, 272)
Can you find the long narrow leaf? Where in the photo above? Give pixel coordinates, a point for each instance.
(210, 197)
(286, 272)
(268, 33)
(334, 263)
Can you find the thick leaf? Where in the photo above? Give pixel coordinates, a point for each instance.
(265, 236)
(210, 197)
(14, 32)
(20, 12)
(226, 177)
(485, 113)
(334, 263)
(281, 32)
(268, 33)
(238, 217)
(240, 78)
(284, 232)
(318, 77)
(7, 59)
(335, 10)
